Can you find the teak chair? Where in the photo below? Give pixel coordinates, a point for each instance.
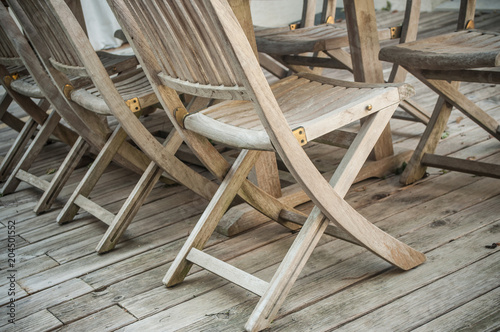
(219, 62)
(310, 47)
(13, 73)
(93, 131)
(442, 62)
(72, 40)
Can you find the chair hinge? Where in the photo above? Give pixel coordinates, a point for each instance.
(133, 104)
(470, 24)
(9, 78)
(300, 135)
(330, 20)
(67, 90)
(180, 114)
(396, 32)
(294, 26)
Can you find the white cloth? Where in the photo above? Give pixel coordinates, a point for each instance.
(101, 24)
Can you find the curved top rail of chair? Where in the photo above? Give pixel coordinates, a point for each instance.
(465, 49)
(204, 90)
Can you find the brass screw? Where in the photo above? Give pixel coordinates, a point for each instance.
(369, 107)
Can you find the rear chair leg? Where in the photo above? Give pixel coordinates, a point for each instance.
(135, 200)
(32, 152)
(62, 175)
(16, 150)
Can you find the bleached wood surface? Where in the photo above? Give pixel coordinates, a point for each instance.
(450, 216)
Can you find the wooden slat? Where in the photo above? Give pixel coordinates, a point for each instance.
(461, 165)
(228, 272)
(95, 209)
(33, 180)
(38, 322)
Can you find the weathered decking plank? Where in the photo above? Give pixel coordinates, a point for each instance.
(448, 215)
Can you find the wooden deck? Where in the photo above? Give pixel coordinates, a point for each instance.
(63, 285)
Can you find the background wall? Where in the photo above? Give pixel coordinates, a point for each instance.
(273, 13)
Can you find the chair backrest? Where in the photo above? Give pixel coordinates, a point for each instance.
(40, 26)
(8, 53)
(206, 33)
(63, 57)
(192, 52)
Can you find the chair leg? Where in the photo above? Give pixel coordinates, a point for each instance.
(16, 150)
(317, 223)
(32, 152)
(4, 105)
(93, 174)
(213, 213)
(135, 200)
(415, 170)
(62, 175)
(288, 272)
(130, 208)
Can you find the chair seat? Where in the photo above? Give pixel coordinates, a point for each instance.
(311, 39)
(464, 49)
(27, 87)
(130, 85)
(332, 104)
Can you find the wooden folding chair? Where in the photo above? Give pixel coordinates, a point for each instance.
(91, 126)
(13, 74)
(442, 62)
(198, 47)
(310, 47)
(133, 91)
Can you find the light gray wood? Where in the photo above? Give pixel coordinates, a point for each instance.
(32, 180)
(451, 291)
(109, 319)
(93, 174)
(40, 321)
(443, 207)
(475, 314)
(62, 175)
(228, 272)
(245, 68)
(473, 52)
(16, 150)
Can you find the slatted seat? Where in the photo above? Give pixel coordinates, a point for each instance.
(179, 51)
(316, 38)
(442, 62)
(312, 47)
(131, 85)
(459, 50)
(315, 117)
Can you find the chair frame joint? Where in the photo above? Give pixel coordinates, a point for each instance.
(180, 114)
(396, 31)
(9, 78)
(300, 135)
(133, 104)
(68, 90)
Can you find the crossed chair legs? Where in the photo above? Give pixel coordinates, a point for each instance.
(424, 153)
(331, 211)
